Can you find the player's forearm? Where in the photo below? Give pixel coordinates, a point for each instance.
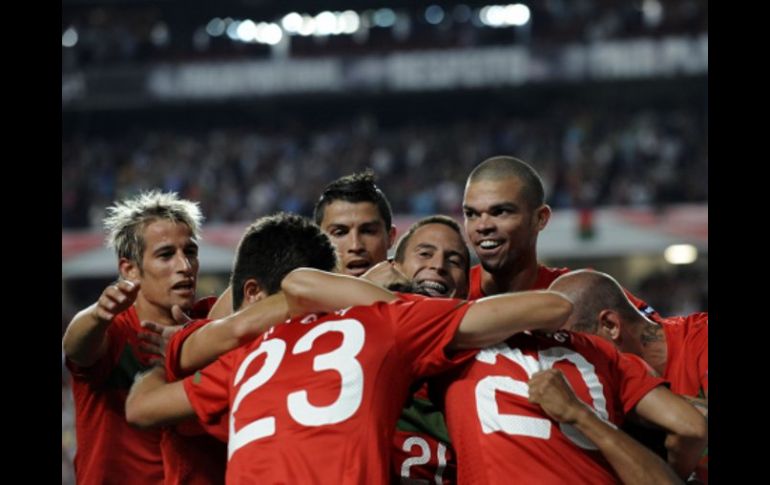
(495, 318)
(84, 341)
(314, 291)
(633, 462)
(152, 402)
(687, 428)
(207, 343)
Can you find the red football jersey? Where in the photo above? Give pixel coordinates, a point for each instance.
(316, 399)
(687, 361)
(108, 448)
(421, 449)
(500, 437)
(546, 276)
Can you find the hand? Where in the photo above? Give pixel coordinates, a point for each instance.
(155, 340)
(387, 275)
(116, 299)
(553, 393)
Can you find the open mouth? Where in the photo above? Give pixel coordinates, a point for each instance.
(184, 287)
(357, 268)
(488, 246)
(433, 288)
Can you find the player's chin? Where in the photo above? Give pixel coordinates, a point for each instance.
(185, 299)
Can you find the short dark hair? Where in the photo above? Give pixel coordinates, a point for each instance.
(500, 167)
(273, 246)
(356, 187)
(435, 219)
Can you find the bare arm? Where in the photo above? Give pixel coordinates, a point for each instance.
(223, 305)
(311, 291)
(495, 318)
(687, 428)
(151, 401)
(220, 336)
(632, 461)
(85, 340)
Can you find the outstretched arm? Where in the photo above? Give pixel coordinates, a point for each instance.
(313, 291)
(218, 337)
(495, 318)
(632, 461)
(85, 340)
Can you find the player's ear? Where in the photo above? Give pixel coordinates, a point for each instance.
(129, 270)
(391, 236)
(542, 216)
(253, 291)
(609, 325)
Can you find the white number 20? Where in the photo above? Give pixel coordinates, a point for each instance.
(486, 404)
(342, 359)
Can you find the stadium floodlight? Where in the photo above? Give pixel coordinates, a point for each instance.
(349, 22)
(247, 31)
(215, 27)
(325, 24)
(308, 26)
(517, 14)
(434, 14)
(269, 33)
(384, 17)
(232, 30)
(69, 38)
(681, 254)
(292, 23)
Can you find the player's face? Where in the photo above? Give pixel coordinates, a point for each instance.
(169, 265)
(501, 227)
(435, 260)
(358, 232)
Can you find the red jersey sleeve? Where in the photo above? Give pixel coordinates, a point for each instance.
(424, 329)
(174, 371)
(208, 389)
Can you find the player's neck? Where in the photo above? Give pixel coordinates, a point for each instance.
(654, 347)
(518, 278)
(146, 310)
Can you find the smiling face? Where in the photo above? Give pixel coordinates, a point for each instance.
(358, 232)
(436, 260)
(168, 271)
(501, 227)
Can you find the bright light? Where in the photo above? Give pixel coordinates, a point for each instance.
(434, 14)
(517, 14)
(232, 29)
(652, 11)
(269, 33)
(681, 254)
(308, 26)
(504, 15)
(247, 31)
(348, 22)
(215, 27)
(69, 38)
(384, 17)
(325, 24)
(292, 22)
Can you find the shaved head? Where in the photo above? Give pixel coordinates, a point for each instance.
(502, 167)
(591, 292)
